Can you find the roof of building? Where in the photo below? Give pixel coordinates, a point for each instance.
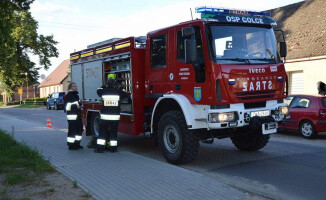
(58, 75)
(304, 26)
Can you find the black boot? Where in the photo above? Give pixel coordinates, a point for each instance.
(92, 143)
(77, 144)
(73, 147)
(113, 149)
(98, 151)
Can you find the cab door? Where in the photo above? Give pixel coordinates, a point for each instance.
(299, 109)
(158, 63)
(190, 78)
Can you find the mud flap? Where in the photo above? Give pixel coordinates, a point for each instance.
(265, 125)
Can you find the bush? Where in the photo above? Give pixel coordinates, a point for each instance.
(13, 103)
(36, 99)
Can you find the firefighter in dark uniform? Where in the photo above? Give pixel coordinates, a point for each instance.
(75, 126)
(110, 114)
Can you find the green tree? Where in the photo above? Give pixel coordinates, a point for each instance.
(18, 40)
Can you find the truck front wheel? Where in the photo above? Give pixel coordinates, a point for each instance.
(178, 144)
(251, 142)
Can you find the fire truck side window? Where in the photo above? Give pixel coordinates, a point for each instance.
(180, 47)
(158, 51)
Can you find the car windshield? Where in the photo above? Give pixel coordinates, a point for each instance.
(243, 45)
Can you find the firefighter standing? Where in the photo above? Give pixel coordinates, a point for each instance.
(110, 114)
(75, 126)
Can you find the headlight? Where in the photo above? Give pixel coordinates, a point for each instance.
(284, 110)
(221, 117)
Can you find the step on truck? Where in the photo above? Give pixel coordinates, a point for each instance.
(220, 76)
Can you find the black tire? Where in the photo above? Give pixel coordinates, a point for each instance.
(178, 144)
(307, 129)
(95, 124)
(252, 142)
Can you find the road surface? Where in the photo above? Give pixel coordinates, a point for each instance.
(289, 167)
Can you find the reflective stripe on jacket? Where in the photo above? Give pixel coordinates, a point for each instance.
(110, 102)
(72, 102)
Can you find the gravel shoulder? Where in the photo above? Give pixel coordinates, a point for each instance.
(48, 186)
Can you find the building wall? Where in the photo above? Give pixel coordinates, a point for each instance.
(32, 92)
(65, 83)
(45, 91)
(314, 70)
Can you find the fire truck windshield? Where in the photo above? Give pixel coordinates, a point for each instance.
(243, 45)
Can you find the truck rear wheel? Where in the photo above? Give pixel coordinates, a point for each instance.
(251, 142)
(178, 144)
(95, 124)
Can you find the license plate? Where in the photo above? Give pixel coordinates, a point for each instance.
(261, 113)
(111, 103)
(269, 128)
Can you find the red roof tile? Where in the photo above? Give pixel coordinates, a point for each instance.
(304, 26)
(58, 75)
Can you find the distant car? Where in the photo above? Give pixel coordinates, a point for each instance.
(308, 114)
(55, 100)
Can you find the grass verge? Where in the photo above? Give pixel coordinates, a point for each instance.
(30, 106)
(19, 162)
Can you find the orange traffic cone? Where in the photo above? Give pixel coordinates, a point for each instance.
(48, 123)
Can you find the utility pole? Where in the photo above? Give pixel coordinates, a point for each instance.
(26, 83)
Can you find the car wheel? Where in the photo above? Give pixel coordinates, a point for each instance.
(307, 129)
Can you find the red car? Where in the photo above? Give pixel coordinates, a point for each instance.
(308, 114)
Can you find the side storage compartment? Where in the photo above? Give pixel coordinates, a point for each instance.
(77, 77)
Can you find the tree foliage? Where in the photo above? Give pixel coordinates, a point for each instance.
(18, 40)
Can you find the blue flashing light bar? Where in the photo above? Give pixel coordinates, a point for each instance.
(228, 11)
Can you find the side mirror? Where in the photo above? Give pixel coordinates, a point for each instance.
(188, 32)
(190, 44)
(283, 49)
(190, 51)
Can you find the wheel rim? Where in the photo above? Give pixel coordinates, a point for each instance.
(306, 129)
(171, 138)
(96, 126)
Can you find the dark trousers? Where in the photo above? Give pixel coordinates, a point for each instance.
(75, 131)
(105, 124)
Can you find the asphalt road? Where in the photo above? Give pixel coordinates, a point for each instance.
(289, 167)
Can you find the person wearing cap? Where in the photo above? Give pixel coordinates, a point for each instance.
(92, 142)
(110, 114)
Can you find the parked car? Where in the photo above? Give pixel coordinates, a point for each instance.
(55, 100)
(308, 114)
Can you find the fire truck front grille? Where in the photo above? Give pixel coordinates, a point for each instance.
(255, 95)
(261, 104)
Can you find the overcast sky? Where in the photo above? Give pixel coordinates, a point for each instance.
(78, 23)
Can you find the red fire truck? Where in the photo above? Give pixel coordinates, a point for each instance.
(220, 76)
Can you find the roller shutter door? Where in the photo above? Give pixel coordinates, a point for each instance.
(296, 83)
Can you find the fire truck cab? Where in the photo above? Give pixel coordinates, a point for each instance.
(220, 76)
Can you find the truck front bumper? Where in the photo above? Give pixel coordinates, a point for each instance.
(238, 116)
